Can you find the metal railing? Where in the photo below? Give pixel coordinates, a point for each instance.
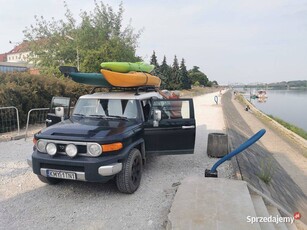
(8, 120)
(39, 116)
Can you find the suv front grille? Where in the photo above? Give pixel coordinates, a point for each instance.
(61, 146)
(62, 167)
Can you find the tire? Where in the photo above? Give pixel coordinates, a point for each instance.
(128, 180)
(48, 180)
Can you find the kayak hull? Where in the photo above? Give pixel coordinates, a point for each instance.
(125, 67)
(131, 79)
(95, 79)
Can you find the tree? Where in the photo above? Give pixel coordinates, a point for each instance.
(165, 73)
(214, 83)
(196, 75)
(153, 61)
(99, 37)
(185, 81)
(175, 75)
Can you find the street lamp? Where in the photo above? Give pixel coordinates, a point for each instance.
(78, 63)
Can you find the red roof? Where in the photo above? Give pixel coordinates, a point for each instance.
(3, 57)
(22, 47)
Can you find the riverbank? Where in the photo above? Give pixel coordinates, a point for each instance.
(275, 154)
(289, 136)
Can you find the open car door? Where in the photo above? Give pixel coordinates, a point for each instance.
(171, 127)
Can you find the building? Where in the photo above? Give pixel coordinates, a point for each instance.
(3, 57)
(20, 53)
(6, 67)
(17, 60)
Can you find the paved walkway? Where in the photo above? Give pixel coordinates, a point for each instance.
(271, 156)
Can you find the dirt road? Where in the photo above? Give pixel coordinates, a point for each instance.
(26, 203)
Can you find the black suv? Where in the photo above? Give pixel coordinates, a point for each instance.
(109, 135)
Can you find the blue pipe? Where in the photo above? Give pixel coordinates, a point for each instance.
(242, 147)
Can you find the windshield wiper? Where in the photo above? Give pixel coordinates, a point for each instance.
(109, 117)
(119, 117)
(79, 114)
(98, 116)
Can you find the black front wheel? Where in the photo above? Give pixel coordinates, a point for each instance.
(128, 180)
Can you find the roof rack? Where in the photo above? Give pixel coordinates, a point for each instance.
(138, 89)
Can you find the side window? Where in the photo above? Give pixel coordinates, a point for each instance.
(174, 108)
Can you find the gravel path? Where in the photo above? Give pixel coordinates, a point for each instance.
(26, 203)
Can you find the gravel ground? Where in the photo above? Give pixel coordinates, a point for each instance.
(26, 203)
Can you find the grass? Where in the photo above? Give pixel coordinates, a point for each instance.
(196, 91)
(293, 128)
(267, 169)
(299, 131)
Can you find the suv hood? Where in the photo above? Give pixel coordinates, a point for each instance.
(90, 129)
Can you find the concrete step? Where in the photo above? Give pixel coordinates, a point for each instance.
(261, 211)
(274, 212)
(275, 209)
(291, 226)
(212, 203)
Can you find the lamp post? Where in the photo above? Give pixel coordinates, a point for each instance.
(78, 63)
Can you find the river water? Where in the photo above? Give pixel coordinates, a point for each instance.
(289, 105)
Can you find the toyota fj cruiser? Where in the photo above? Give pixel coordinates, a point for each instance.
(109, 135)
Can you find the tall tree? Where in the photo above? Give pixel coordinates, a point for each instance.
(154, 61)
(185, 81)
(165, 73)
(99, 37)
(197, 76)
(175, 75)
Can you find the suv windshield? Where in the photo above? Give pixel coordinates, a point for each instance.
(106, 108)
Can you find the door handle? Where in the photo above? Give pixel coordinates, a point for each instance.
(188, 127)
(48, 120)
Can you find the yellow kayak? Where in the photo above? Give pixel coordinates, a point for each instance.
(131, 79)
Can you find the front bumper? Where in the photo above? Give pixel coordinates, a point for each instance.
(100, 169)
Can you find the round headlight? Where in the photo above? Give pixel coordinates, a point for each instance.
(51, 149)
(41, 146)
(94, 149)
(71, 150)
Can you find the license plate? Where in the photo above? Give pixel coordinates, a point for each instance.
(62, 175)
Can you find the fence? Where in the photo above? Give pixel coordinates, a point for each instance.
(9, 119)
(36, 116)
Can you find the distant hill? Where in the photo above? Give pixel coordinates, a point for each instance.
(291, 84)
(279, 85)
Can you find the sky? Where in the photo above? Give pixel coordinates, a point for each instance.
(237, 41)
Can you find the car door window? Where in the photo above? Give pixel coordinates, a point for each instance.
(173, 108)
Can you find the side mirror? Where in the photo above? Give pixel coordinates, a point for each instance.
(59, 111)
(157, 117)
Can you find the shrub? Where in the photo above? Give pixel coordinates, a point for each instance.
(26, 91)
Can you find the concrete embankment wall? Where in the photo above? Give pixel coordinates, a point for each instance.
(258, 162)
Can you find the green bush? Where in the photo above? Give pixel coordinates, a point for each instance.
(26, 91)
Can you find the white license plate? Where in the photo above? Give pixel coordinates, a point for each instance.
(62, 175)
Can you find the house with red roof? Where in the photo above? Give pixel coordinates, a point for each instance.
(17, 59)
(20, 53)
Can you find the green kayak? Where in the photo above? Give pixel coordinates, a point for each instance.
(96, 79)
(125, 67)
